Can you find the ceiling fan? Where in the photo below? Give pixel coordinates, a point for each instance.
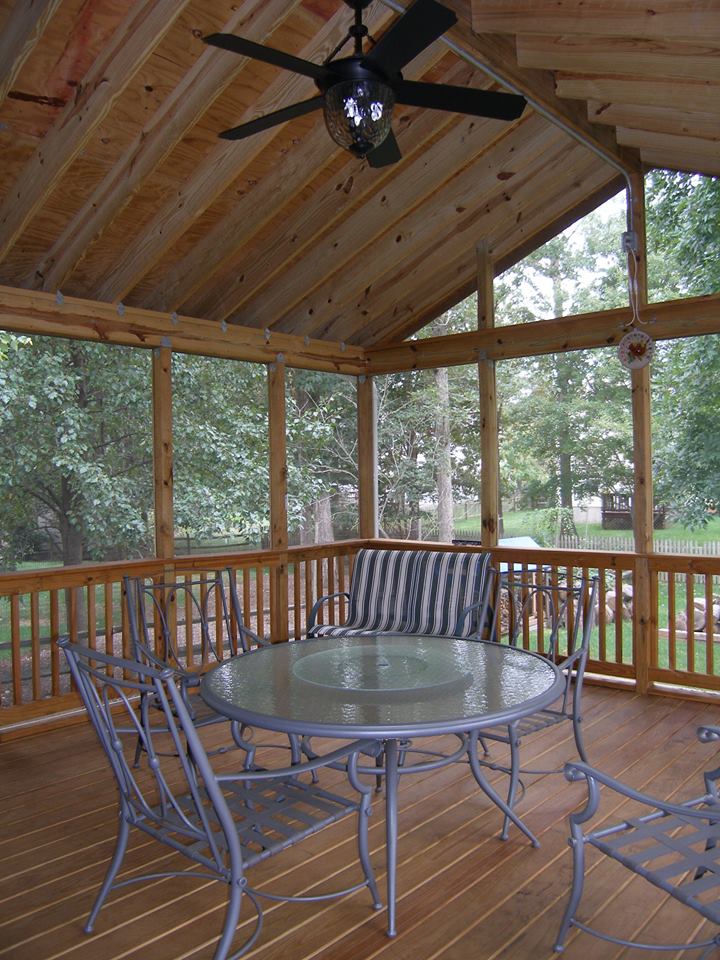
(357, 93)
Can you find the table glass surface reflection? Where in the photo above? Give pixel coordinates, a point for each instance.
(391, 683)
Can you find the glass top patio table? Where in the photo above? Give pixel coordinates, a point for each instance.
(388, 687)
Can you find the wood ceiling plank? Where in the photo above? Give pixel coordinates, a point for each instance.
(621, 55)
(184, 106)
(135, 39)
(684, 162)
(610, 18)
(513, 222)
(694, 316)
(372, 229)
(656, 119)
(677, 94)
(215, 293)
(216, 173)
(499, 53)
(19, 35)
(346, 292)
(663, 144)
(31, 311)
(254, 267)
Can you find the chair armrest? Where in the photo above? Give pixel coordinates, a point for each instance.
(318, 604)
(579, 771)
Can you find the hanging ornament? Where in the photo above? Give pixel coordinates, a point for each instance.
(636, 349)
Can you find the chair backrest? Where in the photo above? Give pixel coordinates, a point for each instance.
(183, 811)
(556, 619)
(186, 623)
(415, 591)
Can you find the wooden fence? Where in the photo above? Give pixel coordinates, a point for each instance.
(86, 604)
(709, 549)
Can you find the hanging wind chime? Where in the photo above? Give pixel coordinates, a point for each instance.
(636, 348)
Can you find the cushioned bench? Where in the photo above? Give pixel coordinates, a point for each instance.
(411, 591)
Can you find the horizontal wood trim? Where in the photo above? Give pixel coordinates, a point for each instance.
(26, 311)
(672, 93)
(665, 321)
(658, 119)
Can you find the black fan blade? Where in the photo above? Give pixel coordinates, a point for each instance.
(256, 51)
(388, 152)
(423, 22)
(441, 96)
(272, 119)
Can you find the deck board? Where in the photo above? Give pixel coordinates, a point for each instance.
(461, 891)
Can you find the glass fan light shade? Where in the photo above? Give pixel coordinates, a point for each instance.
(358, 114)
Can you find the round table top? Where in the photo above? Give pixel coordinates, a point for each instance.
(381, 686)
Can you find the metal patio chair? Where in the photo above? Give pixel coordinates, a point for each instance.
(185, 626)
(224, 823)
(672, 845)
(563, 616)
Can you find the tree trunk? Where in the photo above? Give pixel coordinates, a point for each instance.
(443, 465)
(323, 520)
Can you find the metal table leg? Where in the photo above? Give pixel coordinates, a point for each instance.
(391, 827)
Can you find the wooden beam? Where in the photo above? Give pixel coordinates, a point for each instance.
(685, 162)
(628, 55)
(489, 454)
(668, 320)
(612, 18)
(277, 443)
(367, 458)
(34, 312)
(221, 167)
(180, 110)
(700, 95)
(658, 119)
(499, 53)
(163, 452)
(21, 31)
(137, 36)
(675, 146)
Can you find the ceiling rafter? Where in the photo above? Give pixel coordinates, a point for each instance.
(134, 40)
(182, 108)
(221, 168)
(344, 293)
(20, 34)
(299, 233)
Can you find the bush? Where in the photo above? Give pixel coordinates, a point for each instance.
(547, 525)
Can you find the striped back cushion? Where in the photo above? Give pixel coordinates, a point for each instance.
(443, 585)
(381, 581)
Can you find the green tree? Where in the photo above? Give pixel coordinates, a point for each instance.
(76, 449)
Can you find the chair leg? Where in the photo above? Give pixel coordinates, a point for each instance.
(117, 859)
(232, 916)
(514, 777)
(579, 742)
(578, 848)
(364, 853)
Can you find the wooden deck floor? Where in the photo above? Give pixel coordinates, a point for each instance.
(462, 892)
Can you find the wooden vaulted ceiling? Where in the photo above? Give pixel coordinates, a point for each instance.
(114, 186)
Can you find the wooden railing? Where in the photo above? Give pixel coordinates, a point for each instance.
(86, 604)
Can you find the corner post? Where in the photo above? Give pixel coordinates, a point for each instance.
(279, 598)
(490, 478)
(367, 458)
(644, 617)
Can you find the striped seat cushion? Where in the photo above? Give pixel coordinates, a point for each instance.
(412, 591)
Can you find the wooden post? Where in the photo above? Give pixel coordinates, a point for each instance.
(367, 458)
(163, 452)
(644, 628)
(490, 478)
(279, 598)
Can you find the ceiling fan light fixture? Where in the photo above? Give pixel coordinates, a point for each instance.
(358, 114)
